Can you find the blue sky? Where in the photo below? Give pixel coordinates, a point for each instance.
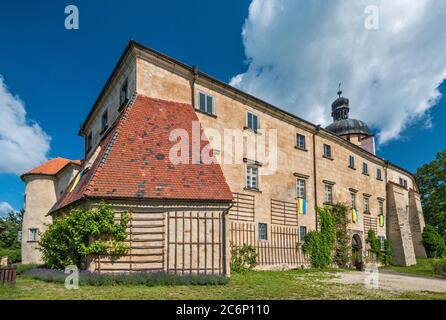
(59, 73)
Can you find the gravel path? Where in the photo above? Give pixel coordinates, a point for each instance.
(392, 281)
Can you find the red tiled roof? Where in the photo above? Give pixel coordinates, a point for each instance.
(134, 160)
(51, 167)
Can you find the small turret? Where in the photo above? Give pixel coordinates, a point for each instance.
(43, 186)
(355, 131)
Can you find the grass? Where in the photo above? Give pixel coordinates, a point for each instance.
(423, 267)
(295, 284)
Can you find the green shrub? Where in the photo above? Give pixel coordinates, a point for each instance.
(385, 255)
(143, 278)
(70, 239)
(243, 259)
(433, 242)
(22, 268)
(319, 245)
(439, 266)
(14, 255)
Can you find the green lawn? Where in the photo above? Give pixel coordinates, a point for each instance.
(296, 284)
(422, 268)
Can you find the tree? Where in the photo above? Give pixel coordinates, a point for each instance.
(82, 233)
(9, 243)
(433, 242)
(12, 224)
(431, 179)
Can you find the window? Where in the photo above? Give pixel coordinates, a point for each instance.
(379, 174)
(381, 207)
(124, 94)
(252, 177)
(328, 193)
(351, 162)
(381, 241)
(104, 121)
(300, 142)
(252, 121)
(263, 231)
(206, 103)
(403, 182)
(302, 233)
(33, 235)
(366, 205)
(365, 168)
(301, 189)
(353, 199)
(327, 151)
(89, 141)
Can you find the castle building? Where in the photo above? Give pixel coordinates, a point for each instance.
(159, 143)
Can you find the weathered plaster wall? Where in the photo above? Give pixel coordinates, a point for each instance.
(40, 196)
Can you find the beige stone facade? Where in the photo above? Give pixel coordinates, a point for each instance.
(383, 186)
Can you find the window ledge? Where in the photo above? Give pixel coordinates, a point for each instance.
(328, 158)
(252, 189)
(206, 113)
(350, 167)
(328, 203)
(252, 130)
(301, 149)
(366, 174)
(379, 179)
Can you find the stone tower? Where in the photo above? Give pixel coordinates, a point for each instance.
(43, 186)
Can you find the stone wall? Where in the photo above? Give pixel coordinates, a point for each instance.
(398, 227)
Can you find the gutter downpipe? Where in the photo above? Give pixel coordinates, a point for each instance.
(318, 128)
(224, 240)
(192, 84)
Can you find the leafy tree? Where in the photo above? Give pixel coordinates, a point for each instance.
(9, 244)
(431, 179)
(82, 233)
(12, 224)
(433, 242)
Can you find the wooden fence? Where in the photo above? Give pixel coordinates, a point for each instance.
(243, 207)
(7, 276)
(180, 242)
(281, 248)
(284, 213)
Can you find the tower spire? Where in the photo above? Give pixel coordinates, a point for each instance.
(339, 90)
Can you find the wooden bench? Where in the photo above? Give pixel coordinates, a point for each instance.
(7, 276)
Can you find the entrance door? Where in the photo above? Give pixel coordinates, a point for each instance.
(357, 253)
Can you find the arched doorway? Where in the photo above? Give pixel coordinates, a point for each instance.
(357, 252)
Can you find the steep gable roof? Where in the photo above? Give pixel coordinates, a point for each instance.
(51, 167)
(133, 161)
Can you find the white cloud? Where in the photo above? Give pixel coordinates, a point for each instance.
(5, 208)
(298, 51)
(23, 144)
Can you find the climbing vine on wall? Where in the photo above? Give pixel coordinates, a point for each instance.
(342, 245)
(319, 244)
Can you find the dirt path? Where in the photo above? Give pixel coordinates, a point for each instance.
(392, 281)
